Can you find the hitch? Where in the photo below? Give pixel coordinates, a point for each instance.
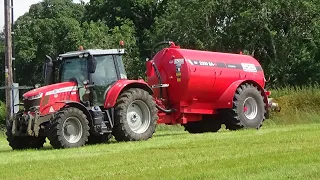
(273, 106)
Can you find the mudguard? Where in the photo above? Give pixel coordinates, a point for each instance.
(56, 106)
(226, 99)
(120, 86)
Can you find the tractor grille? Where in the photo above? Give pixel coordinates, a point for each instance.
(30, 103)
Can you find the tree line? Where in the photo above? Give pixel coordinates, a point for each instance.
(282, 34)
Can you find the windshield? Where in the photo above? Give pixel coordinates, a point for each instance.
(74, 68)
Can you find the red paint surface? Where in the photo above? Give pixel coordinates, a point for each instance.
(202, 89)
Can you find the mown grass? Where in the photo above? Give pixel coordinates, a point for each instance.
(283, 152)
(286, 147)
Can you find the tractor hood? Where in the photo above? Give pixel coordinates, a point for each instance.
(50, 89)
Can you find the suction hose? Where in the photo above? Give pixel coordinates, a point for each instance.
(168, 111)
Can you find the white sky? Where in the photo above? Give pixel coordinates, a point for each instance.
(20, 7)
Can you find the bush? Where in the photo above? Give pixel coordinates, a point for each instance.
(298, 105)
(2, 114)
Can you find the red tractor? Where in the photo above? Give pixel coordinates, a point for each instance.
(87, 98)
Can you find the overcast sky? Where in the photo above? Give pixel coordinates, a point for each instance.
(20, 7)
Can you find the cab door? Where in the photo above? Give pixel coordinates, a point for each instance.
(105, 75)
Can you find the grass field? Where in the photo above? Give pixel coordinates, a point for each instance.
(287, 147)
(273, 152)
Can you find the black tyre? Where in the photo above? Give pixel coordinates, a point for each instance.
(69, 128)
(207, 124)
(99, 138)
(248, 109)
(23, 142)
(136, 116)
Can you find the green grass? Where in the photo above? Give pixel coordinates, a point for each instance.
(287, 147)
(273, 152)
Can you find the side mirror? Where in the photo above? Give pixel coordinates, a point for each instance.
(92, 64)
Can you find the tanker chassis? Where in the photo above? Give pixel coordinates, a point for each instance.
(87, 98)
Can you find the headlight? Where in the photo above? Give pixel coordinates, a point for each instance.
(35, 96)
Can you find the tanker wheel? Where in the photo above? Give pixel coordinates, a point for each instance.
(99, 138)
(23, 142)
(136, 116)
(69, 128)
(248, 108)
(207, 124)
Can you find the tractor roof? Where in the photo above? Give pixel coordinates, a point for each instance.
(93, 52)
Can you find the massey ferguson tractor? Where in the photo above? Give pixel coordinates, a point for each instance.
(87, 98)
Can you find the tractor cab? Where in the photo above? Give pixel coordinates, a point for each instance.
(94, 71)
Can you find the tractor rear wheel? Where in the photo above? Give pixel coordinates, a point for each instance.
(207, 124)
(69, 128)
(136, 116)
(23, 142)
(248, 109)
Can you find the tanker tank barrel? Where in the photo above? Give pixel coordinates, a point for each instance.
(199, 84)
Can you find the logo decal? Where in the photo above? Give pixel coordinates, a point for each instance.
(248, 67)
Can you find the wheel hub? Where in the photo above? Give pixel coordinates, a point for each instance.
(138, 116)
(134, 117)
(72, 129)
(250, 108)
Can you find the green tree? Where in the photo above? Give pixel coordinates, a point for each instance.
(50, 27)
(281, 34)
(98, 35)
(53, 27)
(141, 13)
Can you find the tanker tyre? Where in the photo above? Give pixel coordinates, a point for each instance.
(23, 142)
(248, 108)
(99, 139)
(69, 128)
(194, 127)
(136, 116)
(207, 124)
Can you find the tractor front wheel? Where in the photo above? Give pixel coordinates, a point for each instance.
(136, 116)
(69, 128)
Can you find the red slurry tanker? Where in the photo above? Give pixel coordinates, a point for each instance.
(87, 98)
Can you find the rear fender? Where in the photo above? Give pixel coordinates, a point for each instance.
(226, 100)
(81, 107)
(122, 85)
